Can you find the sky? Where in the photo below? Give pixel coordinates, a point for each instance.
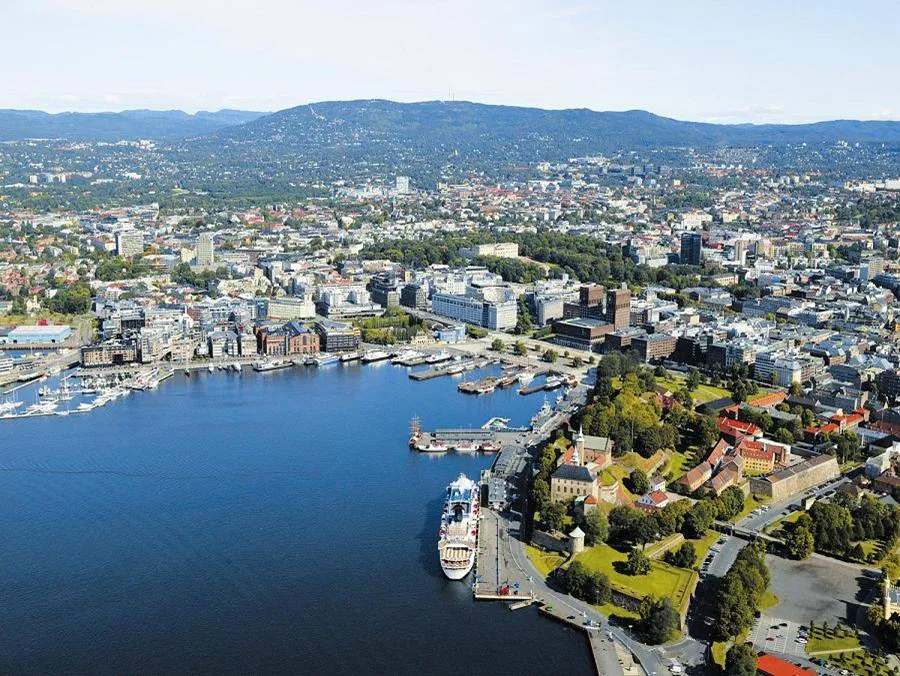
(718, 61)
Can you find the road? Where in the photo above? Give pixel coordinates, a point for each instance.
(700, 617)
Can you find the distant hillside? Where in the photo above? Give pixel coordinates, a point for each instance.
(130, 124)
(387, 132)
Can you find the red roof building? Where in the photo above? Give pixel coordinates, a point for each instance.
(735, 430)
(769, 665)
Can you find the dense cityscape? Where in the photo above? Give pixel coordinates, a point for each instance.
(720, 322)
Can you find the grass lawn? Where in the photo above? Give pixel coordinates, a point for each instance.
(678, 466)
(768, 600)
(750, 503)
(869, 546)
(719, 650)
(545, 562)
(635, 460)
(662, 545)
(703, 545)
(774, 527)
(820, 645)
(860, 662)
(702, 395)
(663, 580)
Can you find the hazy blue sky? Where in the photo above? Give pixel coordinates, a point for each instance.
(756, 60)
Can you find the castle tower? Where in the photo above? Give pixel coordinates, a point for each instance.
(578, 456)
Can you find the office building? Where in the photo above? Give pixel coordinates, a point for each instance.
(691, 248)
(414, 296)
(129, 243)
(205, 249)
(618, 308)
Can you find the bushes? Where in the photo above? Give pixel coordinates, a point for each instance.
(684, 557)
(581, 583)
(658, 620)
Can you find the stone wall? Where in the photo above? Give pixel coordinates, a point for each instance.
(550, 542)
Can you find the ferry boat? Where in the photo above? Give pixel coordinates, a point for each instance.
(456, 369)
(374, 355)
(325, 359)
(350, 356)
(465, 446)
(491, 446)
(406, 355)
(432, 446)
(458, 535)
(263, 366)
(438, 357)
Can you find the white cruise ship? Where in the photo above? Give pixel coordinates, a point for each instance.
(457, 540)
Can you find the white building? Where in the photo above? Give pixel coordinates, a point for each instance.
(129, 243)
(291, 307)
(205, 249)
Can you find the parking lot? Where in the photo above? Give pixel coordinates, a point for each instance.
(821, 589)
(768, 634)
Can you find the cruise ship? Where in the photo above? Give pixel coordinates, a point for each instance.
(457, 539)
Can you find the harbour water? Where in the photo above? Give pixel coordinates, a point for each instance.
(255, 522)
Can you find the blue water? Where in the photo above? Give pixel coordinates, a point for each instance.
(252, 523)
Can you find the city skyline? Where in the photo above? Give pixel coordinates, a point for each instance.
(784, 65)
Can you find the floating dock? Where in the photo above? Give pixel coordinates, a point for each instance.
(452, 369)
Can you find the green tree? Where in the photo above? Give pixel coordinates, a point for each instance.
(659, 620)
(699, 520)
(693, 380)
(638, 482)
(550, 356)
(596, 527)
(553, 515)
(740, 660)
(685, 557)
(784, 436)
(637, 563)
(799, 542)
(497, 345)
(540, 494)
(520, 349)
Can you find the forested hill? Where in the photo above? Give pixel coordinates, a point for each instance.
(17, 125)
(378, 131)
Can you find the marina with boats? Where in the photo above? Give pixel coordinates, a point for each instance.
(81, 390)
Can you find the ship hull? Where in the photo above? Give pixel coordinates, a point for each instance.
(458, 573)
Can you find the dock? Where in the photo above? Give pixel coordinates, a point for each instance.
(452, 369)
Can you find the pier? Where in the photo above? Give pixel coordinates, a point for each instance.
(451, 369)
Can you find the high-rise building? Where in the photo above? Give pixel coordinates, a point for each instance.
(691, 248)
(740, 251)
(129, 243)
(205, 249)
(591, 295)
(618, 308)
(401, 185)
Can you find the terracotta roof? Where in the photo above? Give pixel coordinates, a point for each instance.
(772, 399)
(769, 665)
(729, 426)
